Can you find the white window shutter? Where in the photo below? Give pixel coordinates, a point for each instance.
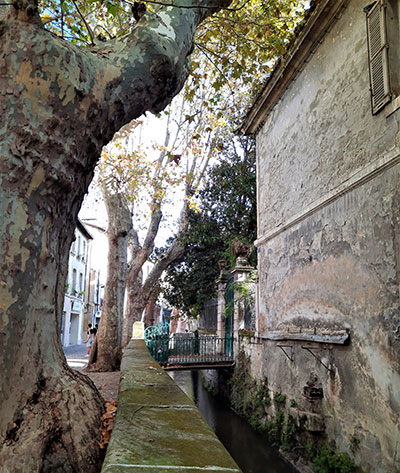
(378, 56)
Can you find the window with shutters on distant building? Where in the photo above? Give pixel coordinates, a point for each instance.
(74, 274)
(383, 45)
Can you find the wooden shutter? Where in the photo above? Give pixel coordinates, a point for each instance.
(378, 56)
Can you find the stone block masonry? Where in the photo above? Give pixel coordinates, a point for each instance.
(158, 428)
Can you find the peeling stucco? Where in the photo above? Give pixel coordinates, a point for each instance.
(328, 245)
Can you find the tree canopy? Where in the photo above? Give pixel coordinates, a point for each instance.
(227, 205)
(229, 192)
(240, 43)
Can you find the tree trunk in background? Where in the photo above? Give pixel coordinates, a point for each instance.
(141, 292)
(134, 303)
(109, 335)
(58, 107)
(151, 311)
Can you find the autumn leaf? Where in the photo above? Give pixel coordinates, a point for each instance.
(107, 423)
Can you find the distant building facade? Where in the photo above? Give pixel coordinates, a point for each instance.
(73, 328)
(97, 273)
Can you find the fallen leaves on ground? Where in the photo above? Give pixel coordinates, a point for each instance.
(107, 423)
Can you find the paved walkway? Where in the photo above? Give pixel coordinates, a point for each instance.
(76, 356)
(107, 383)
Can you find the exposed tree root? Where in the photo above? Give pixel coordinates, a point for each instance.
(58, 429)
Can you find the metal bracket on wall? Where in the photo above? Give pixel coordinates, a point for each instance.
(329, 369)
(291, 356)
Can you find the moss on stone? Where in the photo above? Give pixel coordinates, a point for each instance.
(157, 424)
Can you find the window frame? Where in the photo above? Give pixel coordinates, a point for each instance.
(378, 56)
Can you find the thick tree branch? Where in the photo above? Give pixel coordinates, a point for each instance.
(133, 242)
(174, 252)
(118, 80)
(158, 42)
(148, 244)
(211, 5)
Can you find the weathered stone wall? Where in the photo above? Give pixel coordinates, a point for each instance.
(329, 213)
(322, 131)
(158, 429)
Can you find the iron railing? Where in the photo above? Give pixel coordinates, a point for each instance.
(190, 350)
(202, 350)
(157, 339)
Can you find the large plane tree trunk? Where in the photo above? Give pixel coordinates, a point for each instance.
(109, 335)
(49, 414)
(58, 106)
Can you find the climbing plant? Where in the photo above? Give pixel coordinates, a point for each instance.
(328, 460)
(252, 400)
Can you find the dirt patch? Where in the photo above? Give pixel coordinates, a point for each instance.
(107, 383)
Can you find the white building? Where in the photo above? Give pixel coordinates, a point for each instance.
(73, 327)
(97, 271)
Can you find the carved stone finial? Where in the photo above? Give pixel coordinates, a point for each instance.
(242, 253)
(222, 267)
(222, 264)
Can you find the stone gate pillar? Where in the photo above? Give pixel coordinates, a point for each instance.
(221, 281)
(240, 272)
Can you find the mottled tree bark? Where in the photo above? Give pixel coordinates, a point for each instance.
(109, 335)
(134, 302)
(140, 292)
(58, 106)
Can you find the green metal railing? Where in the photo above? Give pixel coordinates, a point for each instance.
(157, 340)
(187, 349)
(204, 350)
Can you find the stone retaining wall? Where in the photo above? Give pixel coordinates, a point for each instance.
(158, 428)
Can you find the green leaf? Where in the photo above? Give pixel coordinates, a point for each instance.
(111, 8)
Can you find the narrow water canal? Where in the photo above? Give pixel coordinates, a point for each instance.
(250, 449)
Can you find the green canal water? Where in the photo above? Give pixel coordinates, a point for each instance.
(250, 450)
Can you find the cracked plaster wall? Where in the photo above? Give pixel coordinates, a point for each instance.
(338, 267)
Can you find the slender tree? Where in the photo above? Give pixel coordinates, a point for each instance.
(109, 337)
(132, 176)
(59, 105)
(119, 178)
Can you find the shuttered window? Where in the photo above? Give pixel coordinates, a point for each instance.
(378, 56)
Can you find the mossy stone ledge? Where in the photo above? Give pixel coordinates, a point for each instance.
(158, 428)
